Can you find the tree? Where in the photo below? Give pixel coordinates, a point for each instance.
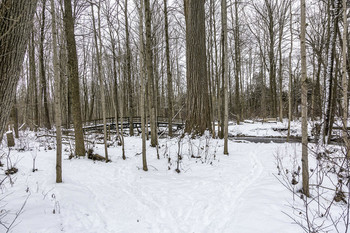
(198, 113)
(58, 114)
(150, 74)
(142, 99)
(329, 74)
(304, 159)
(73, 78)
(43, 82)
(16, 25)
(169, 75)
(345, 80)
(225, 70)
(98, 48)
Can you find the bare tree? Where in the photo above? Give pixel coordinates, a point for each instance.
(74, 78)
(15, 21)
(304, 159)
(198, 112)
(225, 70)
(58, 114)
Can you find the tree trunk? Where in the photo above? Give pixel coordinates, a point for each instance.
(42, 69)
(74, 78)
(345, 82)
(304, 159)
(15, 27)
(329, 74)
(225, 69)
(150, 74)
(128, 70)
(58, 115)
(198, 112)
(99, 68)
(142, 99)
(290, 72)
(169, 76)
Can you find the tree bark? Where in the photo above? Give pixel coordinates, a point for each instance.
(43, 82)
(58, 114)
(304, 159)
(150, 74)
(169, 75)
(345, 81)
(15, 27)
(74, 78)
(198, 112)
(225, 69)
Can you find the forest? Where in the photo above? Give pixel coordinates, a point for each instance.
(174, 116)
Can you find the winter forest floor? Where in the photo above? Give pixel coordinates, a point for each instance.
(213, 193)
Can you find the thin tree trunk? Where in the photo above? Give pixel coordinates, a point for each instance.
(150, 74)
(142, 99)
(345, 82)
(99, 68)
(42, 69)
(329, 73)
(304, 159)
(58, 115)
(225, 55)
(290, 72)
(169, 76)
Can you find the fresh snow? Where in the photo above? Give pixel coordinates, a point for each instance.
(235, 193)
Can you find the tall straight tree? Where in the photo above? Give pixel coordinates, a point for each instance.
(169, 75)
(42, 69)
(304, 159)
(150, 74)
(58, 115)
(198, 112)
(142, 99)
(225, 70)
(345, 80)
(128, 70)
(16, 25)
(74, 78)
(98, 48)
(329, 73)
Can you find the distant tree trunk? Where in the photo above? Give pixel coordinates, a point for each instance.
(198, 112)
(225, 68)
(15, 116)
(58, 115)
(345, 81)
(290, 72)
(99, 68)
(150, 74)
(237, 63)
(128, 70)
(142, 99)
(74, 78)
(304, 159)
(169, 76)
(329, 73)
(33, 80)
(15, 27)
(42, 69)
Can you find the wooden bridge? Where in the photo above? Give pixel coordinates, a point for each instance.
(97, 124)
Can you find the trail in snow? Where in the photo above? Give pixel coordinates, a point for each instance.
(238, 193)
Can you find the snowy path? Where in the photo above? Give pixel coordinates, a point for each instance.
(237, 194)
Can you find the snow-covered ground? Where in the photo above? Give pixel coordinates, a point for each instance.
(216, 193)
(266, 129)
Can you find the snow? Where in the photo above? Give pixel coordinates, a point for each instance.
(217, 193)
(266, 129)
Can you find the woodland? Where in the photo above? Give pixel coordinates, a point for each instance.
(238, 97)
